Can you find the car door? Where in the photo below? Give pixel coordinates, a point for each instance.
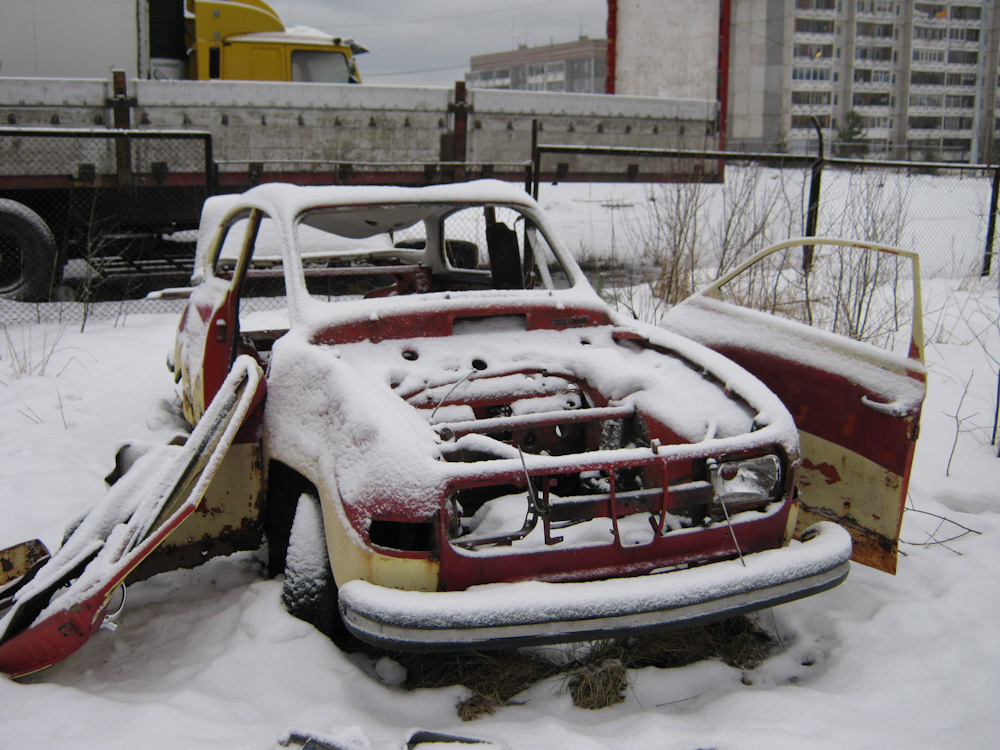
(812, 338)
(208, 333)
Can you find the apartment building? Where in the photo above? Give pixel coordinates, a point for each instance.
(577, 66)
(922, 77)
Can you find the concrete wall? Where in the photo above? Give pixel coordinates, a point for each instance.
(652, 59)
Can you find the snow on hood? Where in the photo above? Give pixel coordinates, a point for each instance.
(347, 411)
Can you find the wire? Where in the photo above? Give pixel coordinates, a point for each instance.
(475, 14)
(368, 74)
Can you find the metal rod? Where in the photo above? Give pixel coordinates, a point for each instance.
(991, 224)
(812, 215)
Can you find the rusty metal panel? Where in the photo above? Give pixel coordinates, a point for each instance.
(865, 498)
(227, 520)
(16, 561)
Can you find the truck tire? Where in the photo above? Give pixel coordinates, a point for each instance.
(29, 268)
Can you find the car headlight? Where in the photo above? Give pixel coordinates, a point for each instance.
(746, 481)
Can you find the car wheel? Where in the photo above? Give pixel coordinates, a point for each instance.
(29, 267)
(309, 591)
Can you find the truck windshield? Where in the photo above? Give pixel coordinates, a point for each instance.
(319, 66)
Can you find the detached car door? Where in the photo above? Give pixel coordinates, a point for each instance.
(842, 346)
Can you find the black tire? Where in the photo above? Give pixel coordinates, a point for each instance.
(309, 591)
(29, 267)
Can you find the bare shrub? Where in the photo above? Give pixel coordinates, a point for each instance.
(749, 209)
(660, 251)
(876, 208)
(693, 233)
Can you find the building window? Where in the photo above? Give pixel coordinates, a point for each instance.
(958, 123)
(928, 55)
(883, 54)
(964, 34)
(965, 13)
(869, 121)
(930, 10)
(867, 75)
(962, 79)
(800, 122)
(929, 33)
(818, 51)
(962, 57)
(810, 74)
(923, 122)
(877, 30)
(815, 4)
(811, 97)
(870, 99)
(960, 102)
(813, 26)
(926, 78)
(925, 100)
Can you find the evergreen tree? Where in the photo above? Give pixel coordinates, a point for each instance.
(850, 137)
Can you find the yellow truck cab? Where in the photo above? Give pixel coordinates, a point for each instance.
(247, 41)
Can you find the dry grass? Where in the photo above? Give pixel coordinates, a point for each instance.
(596, 674)
(493, 677)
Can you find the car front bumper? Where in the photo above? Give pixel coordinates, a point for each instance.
(532, 612)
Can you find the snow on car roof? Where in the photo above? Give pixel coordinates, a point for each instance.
(283, 202)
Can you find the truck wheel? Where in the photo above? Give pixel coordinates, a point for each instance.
(29, 268)
(309, 591)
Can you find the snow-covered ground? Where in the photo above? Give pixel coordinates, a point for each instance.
(208, 658)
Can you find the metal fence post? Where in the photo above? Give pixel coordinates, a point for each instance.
(536, 159)
(991, 224)
(120, 105)
(812, 215)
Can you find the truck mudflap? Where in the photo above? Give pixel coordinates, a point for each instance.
(535, 613)
(66, 599)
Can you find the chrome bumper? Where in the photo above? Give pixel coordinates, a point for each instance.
(531, 612)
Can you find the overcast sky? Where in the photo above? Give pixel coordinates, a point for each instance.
(429, 42)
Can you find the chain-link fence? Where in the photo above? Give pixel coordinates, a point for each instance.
(120, 243)
(89, 217)
(944, 212)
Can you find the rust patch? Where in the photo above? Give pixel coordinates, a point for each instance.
(869, 548)
(848, 428)
(829, 471)
(16, 561)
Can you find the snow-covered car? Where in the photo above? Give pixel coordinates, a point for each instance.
(462, 409)
(456, 443)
